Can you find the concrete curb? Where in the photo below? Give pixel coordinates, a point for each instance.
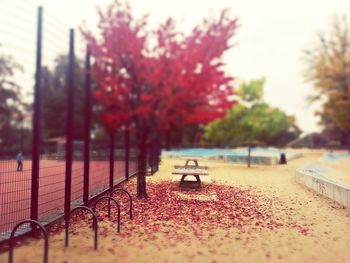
(323, 185)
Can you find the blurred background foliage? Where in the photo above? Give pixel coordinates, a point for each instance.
(252, 121)
(328, 68)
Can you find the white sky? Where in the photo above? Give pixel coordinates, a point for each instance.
(270, 41)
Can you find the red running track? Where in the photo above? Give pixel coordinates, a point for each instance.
(15, 188)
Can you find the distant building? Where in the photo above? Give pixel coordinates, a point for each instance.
(57, 146)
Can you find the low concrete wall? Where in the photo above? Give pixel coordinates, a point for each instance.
(236, 158)
(324, 186)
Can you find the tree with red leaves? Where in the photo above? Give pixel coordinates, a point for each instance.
(159, 80)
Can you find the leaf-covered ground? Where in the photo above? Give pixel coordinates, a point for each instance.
(241, 208)
(247, 215)
(190, 215)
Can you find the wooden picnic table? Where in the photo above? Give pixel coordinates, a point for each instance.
(193, 170)
(193, 159)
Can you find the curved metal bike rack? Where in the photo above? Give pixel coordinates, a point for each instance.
(94, 224)
(130, 199)
(109, 207)
(46, 244)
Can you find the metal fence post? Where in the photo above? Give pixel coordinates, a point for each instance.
(87, 127)
(36, 124)
(69, 131)
(126, 140)
(111, 159)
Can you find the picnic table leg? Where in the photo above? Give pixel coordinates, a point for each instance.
(182, 179)
(198, 180)
(193, 160)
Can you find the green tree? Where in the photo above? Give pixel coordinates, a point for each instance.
(252, 91)
(54, 99)
(252, 122)
(329, 70)
(11, 107)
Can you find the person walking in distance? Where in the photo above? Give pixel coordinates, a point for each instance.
(19, 159)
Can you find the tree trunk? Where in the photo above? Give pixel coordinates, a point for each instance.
(142, 165)
(167, 140)
(249, 156)
(158, 151)
(150, 156)
(344, 141)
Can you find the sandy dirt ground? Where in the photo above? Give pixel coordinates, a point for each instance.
(258, 214)
(339, 170)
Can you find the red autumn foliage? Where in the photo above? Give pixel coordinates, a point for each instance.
(160, 80)
(176, 81)
(234, 207)
(170, 208)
